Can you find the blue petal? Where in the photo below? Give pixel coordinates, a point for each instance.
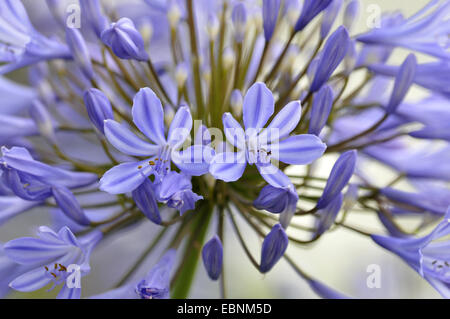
(126, 141)
(258, 106)
(148, 115)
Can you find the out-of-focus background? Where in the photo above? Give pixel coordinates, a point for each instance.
(340, 258)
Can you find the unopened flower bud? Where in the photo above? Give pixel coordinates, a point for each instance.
(181, 74)
(79, 51)
(351, 14)
(273, 248)
(125, 41)
(212, 254)
(98, 107)
(228, 58)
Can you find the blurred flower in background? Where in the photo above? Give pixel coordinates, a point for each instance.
(196, 145)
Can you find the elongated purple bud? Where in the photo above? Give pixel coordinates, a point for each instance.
(324, 291)
(327, 215)
(321, 108)
(351, 14)
(329, 16)
(334, 51)
(69, 205)
(239, 18)
(98, 107)
(311, 8)
(92, 12)
(403, 81)
(212, 254)
(43, 120)
(270, 11)
(80, 51)
(125, 40)
(273, 248)
(340, 174)
(145, 199)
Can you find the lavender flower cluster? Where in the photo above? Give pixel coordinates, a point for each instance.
(204, 115)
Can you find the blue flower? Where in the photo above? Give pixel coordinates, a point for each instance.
(273, 248)
(125, 41)
(51, 254)
(259, 146)
(212, 254)
(148, 116)
(428, 255)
